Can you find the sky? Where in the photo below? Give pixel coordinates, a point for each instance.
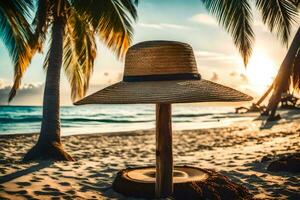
(187, 21)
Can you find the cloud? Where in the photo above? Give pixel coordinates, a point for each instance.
(242, 77)
(260, 25)
(204, 19)
(174, 26)
(215, 56)
(215, 77)
(28, 94)
(233, 74)
(163, 26)
(209, 20)
(1, 84)
(154, 26)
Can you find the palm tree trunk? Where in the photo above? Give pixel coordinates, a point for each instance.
(49, 145)
(282, 80)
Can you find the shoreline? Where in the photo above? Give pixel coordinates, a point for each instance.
(252, 118)
(244, 121)
(225, 120)
(77, 120)
(122, 133)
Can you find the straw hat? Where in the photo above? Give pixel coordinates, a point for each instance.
(162, 72)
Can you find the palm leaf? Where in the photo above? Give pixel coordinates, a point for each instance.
(15, 32)
(279, 15)
(236, 17)
(79, 54)
(46, 60)
(112, 19)
(296, 73)
(295, 2)
(41, 23)
(72, 69)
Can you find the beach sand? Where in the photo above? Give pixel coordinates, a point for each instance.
(233, 151)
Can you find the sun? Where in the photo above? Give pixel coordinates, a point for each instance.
(260, 71)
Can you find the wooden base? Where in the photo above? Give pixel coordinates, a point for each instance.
(189, 183)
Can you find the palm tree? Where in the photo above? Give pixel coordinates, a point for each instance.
(287, 77)
(279, 16)
(73, 25)
(15, 33)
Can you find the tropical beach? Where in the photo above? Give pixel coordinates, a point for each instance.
(128, 99)
(236, 152)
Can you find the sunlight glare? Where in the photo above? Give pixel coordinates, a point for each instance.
(260, 71)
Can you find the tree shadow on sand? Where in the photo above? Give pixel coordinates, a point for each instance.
(286, 189)
(100, 186)
(31, 169)
(288, 116)
(99, 181)
(265, 124)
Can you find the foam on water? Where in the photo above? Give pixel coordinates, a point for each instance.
(114, 118)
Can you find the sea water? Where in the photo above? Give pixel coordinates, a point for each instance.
(114, 118)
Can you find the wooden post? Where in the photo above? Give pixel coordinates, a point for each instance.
(164, 154)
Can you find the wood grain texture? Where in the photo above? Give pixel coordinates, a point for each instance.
(164, 154)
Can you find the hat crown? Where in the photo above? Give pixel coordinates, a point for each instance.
(160, 58)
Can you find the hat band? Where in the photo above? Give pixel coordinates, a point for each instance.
(163, 77)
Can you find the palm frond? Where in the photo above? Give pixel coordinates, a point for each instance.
(72, 69)
(112, 19)
(289, 73)
(279, 15)
(46, 60)
(236, 17)
(79, 54)
(41, 23)
(136, 2)
(295, 2)
(296, 72)
(15, 32)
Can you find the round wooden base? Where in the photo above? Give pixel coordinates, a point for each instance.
(189, 183)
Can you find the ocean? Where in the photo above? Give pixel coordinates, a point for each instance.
(115, 118)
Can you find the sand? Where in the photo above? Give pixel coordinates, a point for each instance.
(233, 151)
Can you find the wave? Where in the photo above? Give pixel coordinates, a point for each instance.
(39, 119)
(112, 119)
(104, 120)
(182, 121)
(228, 116)
(20, 120)
(192, 115)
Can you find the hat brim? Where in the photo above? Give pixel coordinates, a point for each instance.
(152, 92)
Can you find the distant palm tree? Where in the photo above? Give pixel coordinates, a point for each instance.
(15, 33)
(279, 16)
(288, 75)
(73, 25)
